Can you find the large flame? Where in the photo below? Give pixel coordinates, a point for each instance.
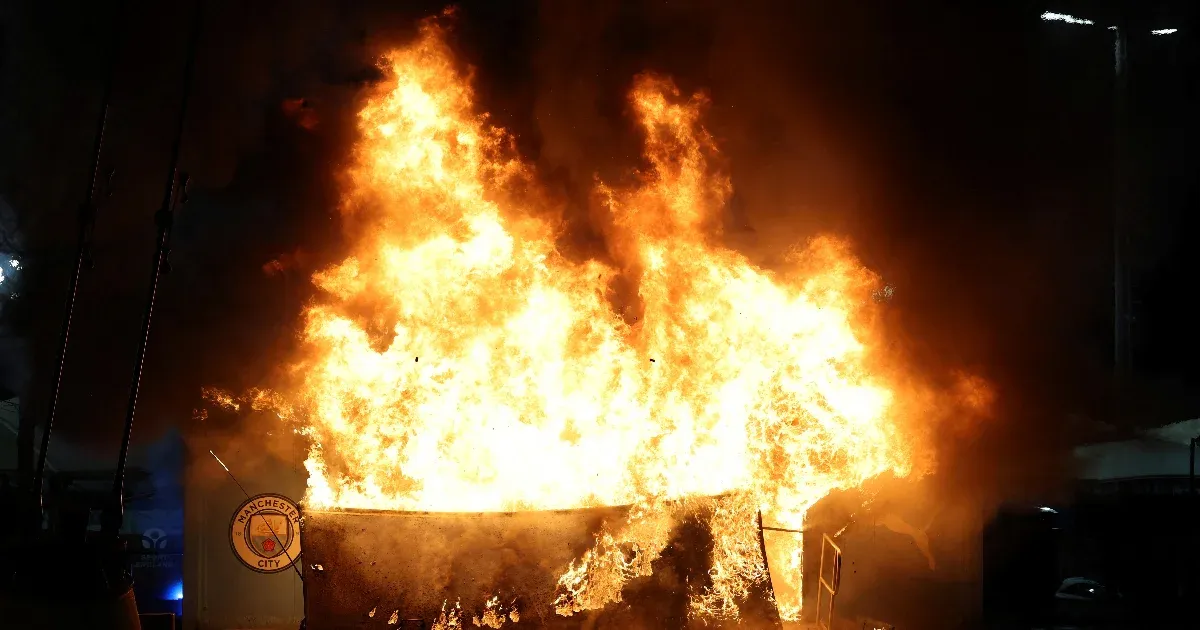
(457, 360)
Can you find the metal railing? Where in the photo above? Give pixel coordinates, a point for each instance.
(828, 585)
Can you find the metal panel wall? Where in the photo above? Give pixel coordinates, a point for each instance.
(220, 593)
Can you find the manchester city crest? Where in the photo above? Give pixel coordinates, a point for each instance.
(265, 533)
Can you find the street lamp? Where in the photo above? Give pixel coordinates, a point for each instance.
(1050, 16)
(1121, 290)
(1121, 293)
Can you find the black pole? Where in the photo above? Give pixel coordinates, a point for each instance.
(1191, 509)
(87, 221)
(762, 546)
(164, 218)
(1192, 467)
(1121, 292)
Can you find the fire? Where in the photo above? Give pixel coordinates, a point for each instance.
(495, 615)
(458, 360)
(450, 618)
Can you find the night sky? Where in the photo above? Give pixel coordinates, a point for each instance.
(965, 150)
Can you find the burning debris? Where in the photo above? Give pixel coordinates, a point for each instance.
(764, 388)
(495, 614)
(449, 619)
(222, 399)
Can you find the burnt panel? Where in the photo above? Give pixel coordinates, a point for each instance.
(380, 569)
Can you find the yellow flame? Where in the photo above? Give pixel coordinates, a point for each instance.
(495, 614)
(457, 360)
(221, 398)
(449, 619)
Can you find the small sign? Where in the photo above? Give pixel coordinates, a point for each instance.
(264, 533)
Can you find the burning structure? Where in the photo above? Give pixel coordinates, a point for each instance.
(540, 430)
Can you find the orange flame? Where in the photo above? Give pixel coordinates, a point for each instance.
(458, 361)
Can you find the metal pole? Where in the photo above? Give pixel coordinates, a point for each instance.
(762, 545)
(1192, 467)
(1121, 320)
(87, 222)
(165, 220)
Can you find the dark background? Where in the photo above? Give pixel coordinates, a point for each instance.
(965, 148)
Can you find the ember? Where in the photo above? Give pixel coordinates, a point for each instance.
(764, 388)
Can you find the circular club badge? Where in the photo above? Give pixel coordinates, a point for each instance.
(265, 533)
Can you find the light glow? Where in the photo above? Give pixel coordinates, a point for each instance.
(219, 460)
(1063, 17)
(1164, 31)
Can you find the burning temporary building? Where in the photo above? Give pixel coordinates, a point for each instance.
(497, 431)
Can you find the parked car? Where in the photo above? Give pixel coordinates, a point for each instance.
(1084, 601)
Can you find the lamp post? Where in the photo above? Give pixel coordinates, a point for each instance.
(1192, 467)
(1120, 274)
(1122, 295)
